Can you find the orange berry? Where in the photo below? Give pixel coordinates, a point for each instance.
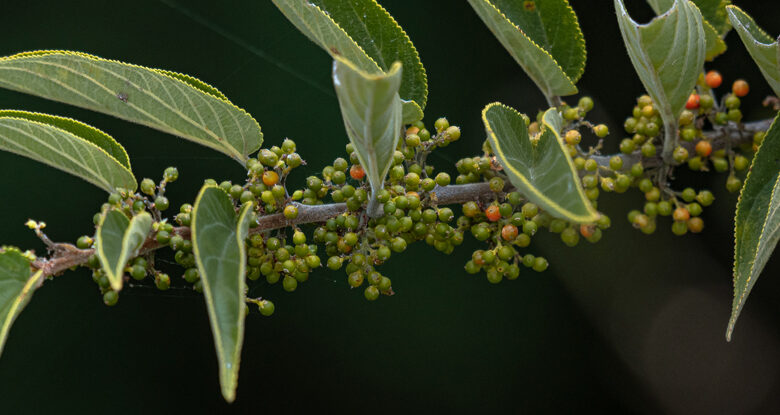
(693, 102)
(493, 213)
(713, 79)
(357, 172)
(740, 88)
(412, 130)
(703, 148)
(270, 178)
(587, 230)
(681, 214)
(509, 232)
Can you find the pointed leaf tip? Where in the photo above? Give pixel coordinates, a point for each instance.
(218, 242)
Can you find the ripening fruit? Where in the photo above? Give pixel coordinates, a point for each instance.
(357, 172)
(509, 232)
(703, 148)
(740, 88)
(573, 137)
(681, 214)
(713, 79)
(492, 212)
(270, 178)
(693, 102)
(695, 225)
(587, 230)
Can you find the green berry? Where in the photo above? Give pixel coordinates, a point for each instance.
(266, 307)
(162, 281)
(171, 174)
(289, 283)
(110, 298)
(371, 293)
(138, 272)
(148, 187)
(161, 203)
(540, 264)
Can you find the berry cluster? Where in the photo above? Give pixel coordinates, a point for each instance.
(406, 209)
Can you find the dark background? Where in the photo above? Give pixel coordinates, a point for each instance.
(633, 324)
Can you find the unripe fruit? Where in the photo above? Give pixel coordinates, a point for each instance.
(148, 187)
(733, 184)
(371, 293)
(290, 211)
(266, 307)
(110, 298)
(601, 131)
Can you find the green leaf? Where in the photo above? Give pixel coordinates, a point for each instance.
(218, 241)
(170, 102)
(668, 55)
(117, 240)
(371, 110)
(68, 145)
(757, 222)
(544, 37)
(542, 171)
(363, 33)
(763, 48)
(17, 283)
(716, 9)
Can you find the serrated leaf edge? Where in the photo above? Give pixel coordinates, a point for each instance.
(104, 186)
(555, 62)
(743, 296)
(371, 58)
(163, 72)
(7, 114)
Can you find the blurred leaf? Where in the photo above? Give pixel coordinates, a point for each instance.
(363, 33)
(714, 12)
(173, 103)
(544, 37)
(542, 171)
(757, 222)
(371, 110)
(117, 240)
(668, 55)
(218, 242)
(763, 48)
(68, 145)
(714, 40)
(17, 283)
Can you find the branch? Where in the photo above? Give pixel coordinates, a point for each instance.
(718, 138)
(65, 256)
